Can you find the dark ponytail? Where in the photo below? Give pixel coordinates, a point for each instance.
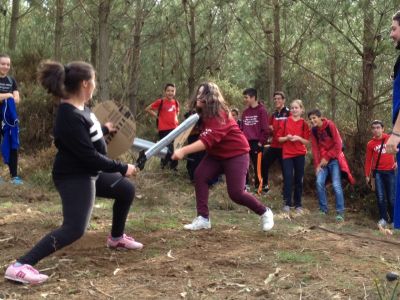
(64, 81)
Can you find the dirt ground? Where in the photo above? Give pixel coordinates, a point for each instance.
(233, 260)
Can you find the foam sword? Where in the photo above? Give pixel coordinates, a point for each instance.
(157, 148)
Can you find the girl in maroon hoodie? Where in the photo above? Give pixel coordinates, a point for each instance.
(226, 152)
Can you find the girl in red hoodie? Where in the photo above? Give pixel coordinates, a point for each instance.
(294, 136)
(227, 151)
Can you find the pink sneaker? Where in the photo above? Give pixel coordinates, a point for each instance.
(124, 242)
(25, 274)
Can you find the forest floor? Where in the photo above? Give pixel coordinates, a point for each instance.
(298, 259)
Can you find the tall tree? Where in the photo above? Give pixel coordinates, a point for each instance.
(58, 30)
(104, 50)
(277, 49)
(12, 37)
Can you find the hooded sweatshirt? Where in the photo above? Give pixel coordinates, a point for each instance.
(325, 145)
(255, 124)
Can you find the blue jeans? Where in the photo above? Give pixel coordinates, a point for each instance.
(293, 168)
(385, 193)
(333, 170)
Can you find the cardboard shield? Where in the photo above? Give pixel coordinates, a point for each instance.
(120, 141)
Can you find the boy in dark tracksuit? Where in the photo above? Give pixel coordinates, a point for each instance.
(276, 121)
(255, 128)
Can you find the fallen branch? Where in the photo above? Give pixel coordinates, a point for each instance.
(6, 239)
(100, 291)
(355, 235)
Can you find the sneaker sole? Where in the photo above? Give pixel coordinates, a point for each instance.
(24, 281)
(190, 229)
(123, 248)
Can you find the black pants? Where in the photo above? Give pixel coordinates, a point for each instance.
(13, 163)
(270, 155)
(194, 158)
(254, 150)
(167, 160)
(77, 197)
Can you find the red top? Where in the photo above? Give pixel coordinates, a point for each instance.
(386, 162)
(327, 144)
(277, 121)
(223, 138)
(168, 117)
(300, 128)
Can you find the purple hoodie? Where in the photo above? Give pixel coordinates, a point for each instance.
(255, 123)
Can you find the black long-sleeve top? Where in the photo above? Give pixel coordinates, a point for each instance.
(82, 150)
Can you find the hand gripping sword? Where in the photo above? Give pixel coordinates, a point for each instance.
(155, 149)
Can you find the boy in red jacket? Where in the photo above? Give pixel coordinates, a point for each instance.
(381, 165)
(326, 148)
(166, 111)
(276, 121)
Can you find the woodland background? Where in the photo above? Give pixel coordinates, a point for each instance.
(334, 55)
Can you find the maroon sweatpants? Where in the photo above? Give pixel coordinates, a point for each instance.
(235, 170)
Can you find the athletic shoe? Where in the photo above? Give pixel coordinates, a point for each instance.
(299, 210)
(198, 223)
(382, 223)
(16, 180)
(286, 209)
(322, 212)
(265, 189)
(339, 218)
(247, 188)
(267, 220)
(125, 242)
(25, 274)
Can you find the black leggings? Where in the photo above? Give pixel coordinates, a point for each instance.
(13, 163)
(77, 196)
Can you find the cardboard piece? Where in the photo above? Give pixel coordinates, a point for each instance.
(123, 120)
(181, 139)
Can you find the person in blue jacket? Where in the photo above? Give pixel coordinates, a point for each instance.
(9, 96)
(393, 142)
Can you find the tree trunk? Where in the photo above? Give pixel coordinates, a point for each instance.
(12, 37)
(134, 64)
(366, 106)
(58, 30)
(93, 46)
(333, 92)
(104, 50)
(192, 56)
(277, 47)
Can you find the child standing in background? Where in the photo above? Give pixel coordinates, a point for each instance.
(294, 136)
(9, 96)
(166, 111)
(255, 129)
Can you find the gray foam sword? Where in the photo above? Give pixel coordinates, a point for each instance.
(164, 142)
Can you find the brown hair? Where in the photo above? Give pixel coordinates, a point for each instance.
(214, 101)
(64, 80)
(396, 17)
(279, 93)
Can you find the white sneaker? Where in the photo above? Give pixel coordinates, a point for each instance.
(382, 222)
(198, 223)
(267, 220)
